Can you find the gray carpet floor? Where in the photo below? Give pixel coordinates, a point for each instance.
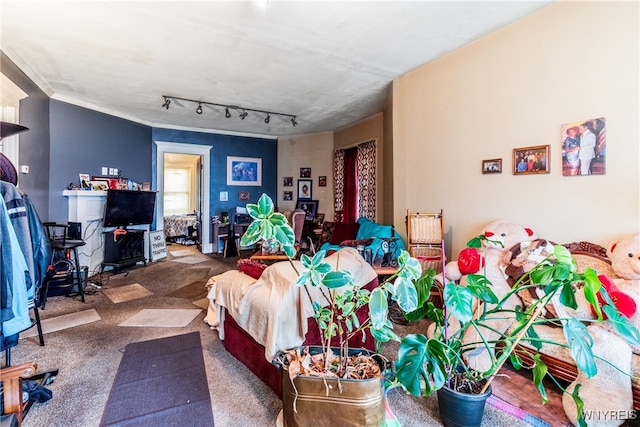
(88, 355)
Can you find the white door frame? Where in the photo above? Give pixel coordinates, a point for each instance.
(183, 148)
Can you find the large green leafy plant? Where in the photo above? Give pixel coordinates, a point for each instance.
(426, 364)
(337, 315)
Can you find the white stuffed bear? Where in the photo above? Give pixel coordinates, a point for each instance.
(625, 261)
(501, 235)
(610, 390)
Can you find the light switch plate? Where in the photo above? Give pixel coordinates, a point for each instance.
(105, 170)
(24, 169)
(224, 196)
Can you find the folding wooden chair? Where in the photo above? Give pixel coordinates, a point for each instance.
(425, 234)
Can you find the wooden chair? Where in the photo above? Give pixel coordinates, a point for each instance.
(425, 232)
(11, 378)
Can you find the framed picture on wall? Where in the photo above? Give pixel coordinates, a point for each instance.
(492, 166)
(310, 207)
(531, 160)
(584, 146)
(244, 171)
(322, 181)
(287, 195)
(304, 189)
(287, 181)
(305, 172)
(243, 196)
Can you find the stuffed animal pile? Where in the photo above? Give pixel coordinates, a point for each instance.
(607, 393)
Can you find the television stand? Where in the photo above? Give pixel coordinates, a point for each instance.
(123, 249)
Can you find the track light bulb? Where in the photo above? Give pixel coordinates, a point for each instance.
(227, 114)
(199, 109)
(243, 115)
(167, 101)
(293, 122)
(268, 118)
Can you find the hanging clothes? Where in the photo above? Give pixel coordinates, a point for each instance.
(14, 281)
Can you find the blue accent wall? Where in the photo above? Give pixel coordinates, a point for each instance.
(83, 141)
(223, 146)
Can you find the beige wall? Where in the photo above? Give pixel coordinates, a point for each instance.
(301, 151)
(370, 128)
(515, 88)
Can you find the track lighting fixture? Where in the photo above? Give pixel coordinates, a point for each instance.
(243, 111)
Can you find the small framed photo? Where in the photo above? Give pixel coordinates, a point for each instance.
(304, 189)
(287, 195)
(531, 160)
(322, 181)
(320, 219)
(310, 207)
(305, 172)
(244, 171)
(492, 166)
(243, 196)
(287, 181)
(84, 180)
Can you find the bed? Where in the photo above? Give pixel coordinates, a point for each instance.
(181, 228)
(256, 318)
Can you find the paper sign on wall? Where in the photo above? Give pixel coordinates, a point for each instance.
(158, 245)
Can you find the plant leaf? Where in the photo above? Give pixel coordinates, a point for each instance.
(378, 308)
(336, 279)
(459, 301)
(405, 294)
(592, 286)
(622, 325)
(579, 405)
(480, 287)
(265, 204)
(539, 372)
(580, 343)
(421, 360)
(252, 235)
(568, 296)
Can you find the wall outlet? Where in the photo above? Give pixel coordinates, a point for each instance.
(105, 170)
(24, 169)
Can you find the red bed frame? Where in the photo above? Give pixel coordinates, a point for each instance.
(244, 348)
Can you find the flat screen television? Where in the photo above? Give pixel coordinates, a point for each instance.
(125, 207)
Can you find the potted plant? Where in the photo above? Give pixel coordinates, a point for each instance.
(439, 362)
(334, 370)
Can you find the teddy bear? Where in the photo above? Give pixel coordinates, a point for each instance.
(501, 235)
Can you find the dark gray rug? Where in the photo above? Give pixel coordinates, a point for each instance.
(160, 382)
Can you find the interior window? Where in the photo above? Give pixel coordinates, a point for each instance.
(177, 191)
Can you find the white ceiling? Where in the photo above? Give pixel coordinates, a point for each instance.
(328, 63)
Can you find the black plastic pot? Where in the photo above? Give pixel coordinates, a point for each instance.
(461, 409)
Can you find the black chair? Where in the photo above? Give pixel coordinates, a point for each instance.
(62, 246)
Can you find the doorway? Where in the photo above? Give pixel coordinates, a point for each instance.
(203, 152)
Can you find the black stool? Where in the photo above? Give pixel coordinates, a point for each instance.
(61, 242)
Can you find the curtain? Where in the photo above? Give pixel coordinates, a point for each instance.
(354, 174)
(350, 200)
(366, 174)
(338, 179)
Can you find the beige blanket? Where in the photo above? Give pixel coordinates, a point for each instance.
(272, 309)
